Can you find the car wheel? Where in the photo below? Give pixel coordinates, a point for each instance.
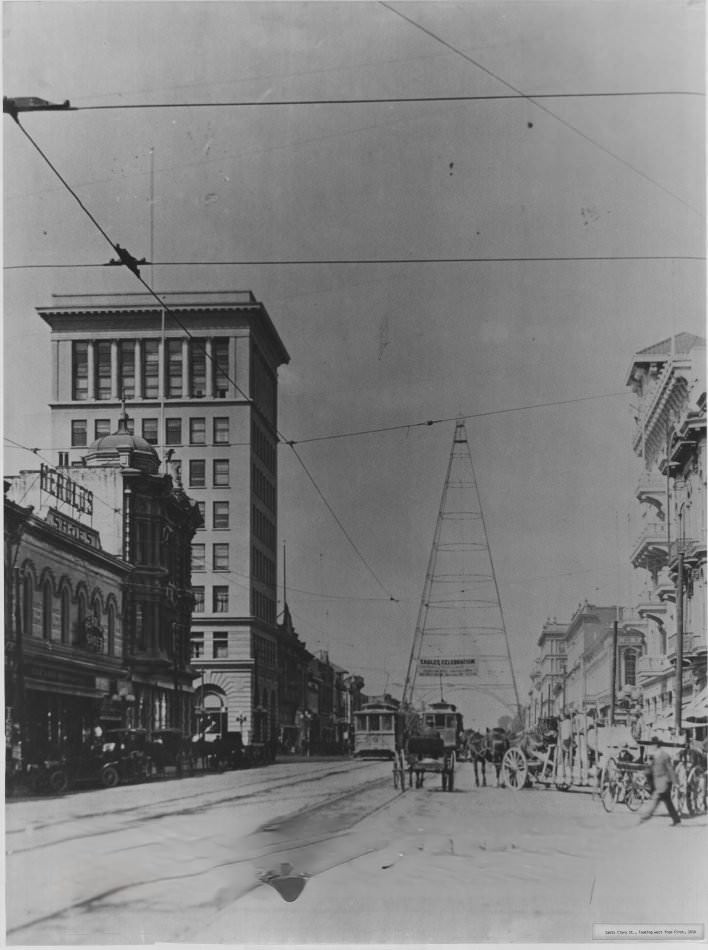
(110, 776)
(59, 781)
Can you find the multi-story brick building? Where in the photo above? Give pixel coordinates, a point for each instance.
(146, 522)
(200, 378)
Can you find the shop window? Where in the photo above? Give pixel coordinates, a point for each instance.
(220, 600)
(79, 370)
(221, 430)
(197, 473)
(221, 473)
(198, 595)
(220, 515)
(197, 430)
(78, 432)
(150, 431)
(198, 557)
(221, 557)
(101, 427)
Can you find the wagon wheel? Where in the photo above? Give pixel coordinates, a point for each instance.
(515, 768)
(696, 791)
(679, 789)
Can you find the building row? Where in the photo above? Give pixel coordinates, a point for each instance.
(648, 661)
(140, 561)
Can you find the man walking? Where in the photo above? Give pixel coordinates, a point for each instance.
(663, 776)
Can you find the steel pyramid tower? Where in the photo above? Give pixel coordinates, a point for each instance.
(460, 649)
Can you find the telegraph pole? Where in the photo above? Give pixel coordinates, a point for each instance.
(613, 670)
(678, 691)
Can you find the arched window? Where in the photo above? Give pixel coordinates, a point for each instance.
(630, 668)
(111, 629)
(47, 609)
(80, 617)
(66, 615)
(28, 604)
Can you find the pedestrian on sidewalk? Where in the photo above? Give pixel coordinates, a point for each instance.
(663, 776)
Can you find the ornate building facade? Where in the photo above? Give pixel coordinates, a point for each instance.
(668, 381)
(144, 522)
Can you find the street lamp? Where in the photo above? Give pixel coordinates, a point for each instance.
(240, 720)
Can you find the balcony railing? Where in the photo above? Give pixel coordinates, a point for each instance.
(692, 643)
(652, 666)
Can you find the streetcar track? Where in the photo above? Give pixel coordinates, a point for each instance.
(321, 773)
(266, 853)
(194, 809)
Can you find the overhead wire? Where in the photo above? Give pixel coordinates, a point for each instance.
(469, 415)
(36, 452)
(391, 100)
(368, 261)
(533, 100)
(132, 265)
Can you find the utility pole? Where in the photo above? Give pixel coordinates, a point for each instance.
(678, 691)
(613, 670)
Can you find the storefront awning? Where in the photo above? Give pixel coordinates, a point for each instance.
(47, 686)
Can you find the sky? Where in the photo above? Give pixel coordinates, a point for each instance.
(429, 328)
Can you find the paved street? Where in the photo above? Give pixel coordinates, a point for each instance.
(179, 861)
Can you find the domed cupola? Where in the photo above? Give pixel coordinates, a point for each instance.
(124, 449)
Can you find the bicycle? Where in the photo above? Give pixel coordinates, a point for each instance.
(624, 783)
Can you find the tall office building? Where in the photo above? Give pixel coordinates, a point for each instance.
(199, 381)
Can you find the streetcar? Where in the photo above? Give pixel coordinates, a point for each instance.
(434, 747)
(378, 730)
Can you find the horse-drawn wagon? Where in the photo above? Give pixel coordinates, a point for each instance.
(541, 755)
(432, 744)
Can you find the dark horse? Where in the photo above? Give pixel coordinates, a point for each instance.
(487, 747)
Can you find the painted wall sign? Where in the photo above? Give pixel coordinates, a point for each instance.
(74, 529)
(64, 489)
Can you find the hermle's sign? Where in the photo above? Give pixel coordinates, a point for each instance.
(64, 489)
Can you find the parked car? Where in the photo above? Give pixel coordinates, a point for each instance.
(170, 747)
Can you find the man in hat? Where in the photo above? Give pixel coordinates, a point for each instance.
(663, 776)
